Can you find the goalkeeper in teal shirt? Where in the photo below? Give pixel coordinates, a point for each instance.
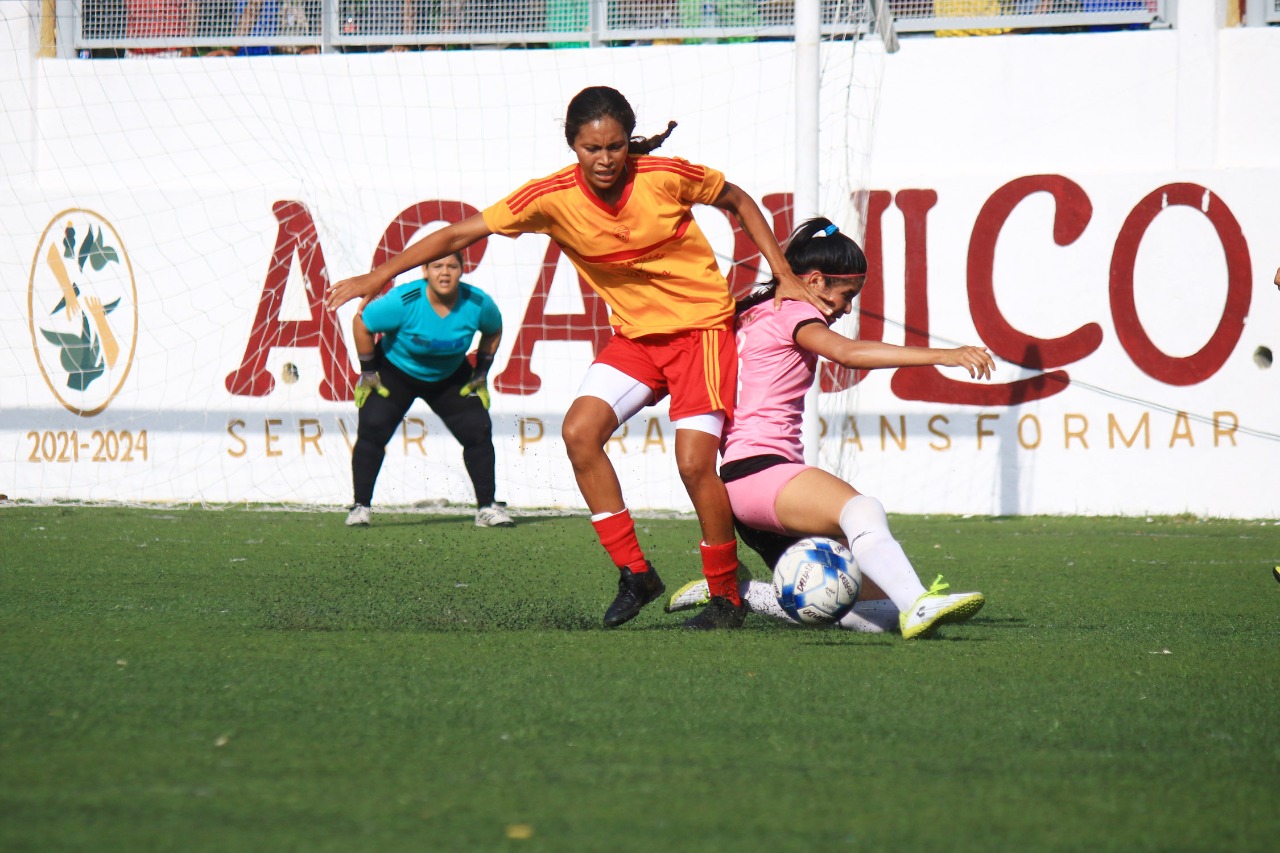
(427, 327)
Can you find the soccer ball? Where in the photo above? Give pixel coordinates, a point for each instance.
(817, 581)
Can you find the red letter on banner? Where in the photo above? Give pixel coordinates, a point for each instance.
(1149, 359)
(591, 325)
(411, 219)
(928, 384)
(297, 233)
(1071, 214)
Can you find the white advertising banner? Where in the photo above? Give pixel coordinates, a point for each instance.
(169, 227)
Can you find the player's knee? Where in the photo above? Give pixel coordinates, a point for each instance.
(475, 431)
(864, 522)
(695, 469)
(582, 436)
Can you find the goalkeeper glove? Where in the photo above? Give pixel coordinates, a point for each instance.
(370, 382)
(478, 384)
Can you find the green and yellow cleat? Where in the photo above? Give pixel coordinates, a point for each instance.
(691, 595)
(934, 609)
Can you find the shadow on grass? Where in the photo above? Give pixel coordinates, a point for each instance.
(404, 521)
(999, 622)
(854, 638)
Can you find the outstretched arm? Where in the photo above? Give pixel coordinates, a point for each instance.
(734, 200)
(868, 355)
(436, 245)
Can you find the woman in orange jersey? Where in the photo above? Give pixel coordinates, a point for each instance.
(624, 219)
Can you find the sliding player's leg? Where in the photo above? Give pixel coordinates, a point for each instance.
(863, 522)
(817, 502)
(873, 614)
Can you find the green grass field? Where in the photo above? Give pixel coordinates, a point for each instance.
(184, 679)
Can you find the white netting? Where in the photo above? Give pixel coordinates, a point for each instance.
(170, 224)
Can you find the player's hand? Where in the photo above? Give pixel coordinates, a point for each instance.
(478, 385)
(791, 286)
(363, 287)
(976, 360)
(369, 383)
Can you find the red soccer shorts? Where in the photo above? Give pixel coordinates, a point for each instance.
(698, 368)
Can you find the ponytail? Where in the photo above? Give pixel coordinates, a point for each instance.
(641, 145)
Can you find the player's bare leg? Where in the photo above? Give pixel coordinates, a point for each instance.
(588, 425)
(811, 499)
(696, 462)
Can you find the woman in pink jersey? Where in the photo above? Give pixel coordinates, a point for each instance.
(624, 219)
(770, 487)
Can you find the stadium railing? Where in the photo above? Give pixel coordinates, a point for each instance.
(110, 27)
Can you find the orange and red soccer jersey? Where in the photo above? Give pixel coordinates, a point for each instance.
(646, 257)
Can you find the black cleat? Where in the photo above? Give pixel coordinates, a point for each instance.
(635, 590)
(720, 612)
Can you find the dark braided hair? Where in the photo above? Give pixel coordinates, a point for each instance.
(596, 102)
(816, 246)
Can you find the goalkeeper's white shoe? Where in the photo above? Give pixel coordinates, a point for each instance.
(691, 595)
(360, 516)
(935, 609)
(493, 515)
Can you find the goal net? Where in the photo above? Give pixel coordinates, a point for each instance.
(173, 212)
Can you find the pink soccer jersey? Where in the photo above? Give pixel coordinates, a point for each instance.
(774, 373)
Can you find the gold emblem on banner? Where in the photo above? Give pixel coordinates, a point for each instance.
(82, 309)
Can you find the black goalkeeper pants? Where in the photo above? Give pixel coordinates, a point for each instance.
(465, 417)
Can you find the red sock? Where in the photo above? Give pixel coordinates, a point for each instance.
(618, 536)
(720, 568)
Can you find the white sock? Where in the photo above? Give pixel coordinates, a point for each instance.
(760, 599)
(879, 555)
(876, 616)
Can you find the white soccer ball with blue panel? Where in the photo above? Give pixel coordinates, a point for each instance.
(817, 581)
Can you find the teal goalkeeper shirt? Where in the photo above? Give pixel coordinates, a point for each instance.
(418, 340)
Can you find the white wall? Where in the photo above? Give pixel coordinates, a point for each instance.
(180, 163)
